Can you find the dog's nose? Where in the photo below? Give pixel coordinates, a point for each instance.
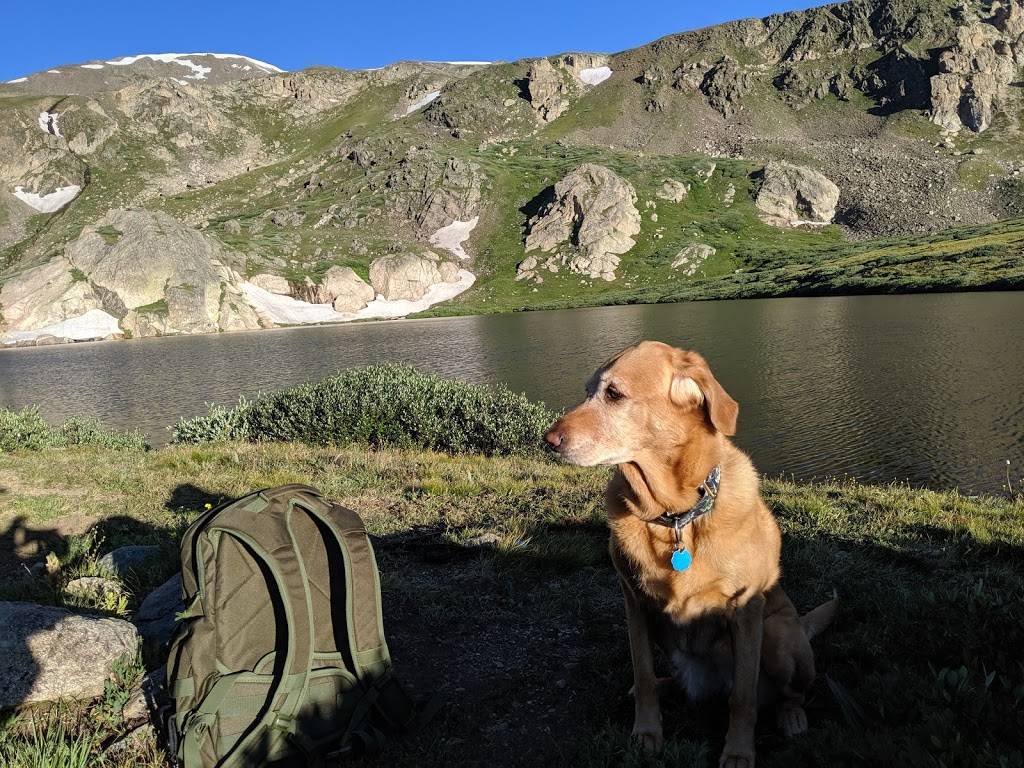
(553, 438)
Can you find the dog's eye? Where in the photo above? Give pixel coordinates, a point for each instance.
(612, 394)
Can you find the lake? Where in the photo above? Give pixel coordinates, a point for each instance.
(927, 389)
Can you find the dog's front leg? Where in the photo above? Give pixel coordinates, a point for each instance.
(647, 720)
(747, 625)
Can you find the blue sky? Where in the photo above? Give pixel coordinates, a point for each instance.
(297, 34)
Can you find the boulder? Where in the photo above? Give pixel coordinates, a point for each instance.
(272, 283)
(404, 275)
(691, 257)
(593, 212)
(343, 288)
(51, 653)
(792, 195)
(157, 615)
(123, 560)
(673, 191)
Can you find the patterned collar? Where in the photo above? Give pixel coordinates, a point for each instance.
(708, 493)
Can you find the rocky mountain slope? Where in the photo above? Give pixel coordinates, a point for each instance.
(789, 154)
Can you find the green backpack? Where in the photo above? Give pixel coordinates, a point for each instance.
(279, 656)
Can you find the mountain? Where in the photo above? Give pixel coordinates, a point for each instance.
(859, 147)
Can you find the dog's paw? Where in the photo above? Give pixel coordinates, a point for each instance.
(649, 737)
(792, 721)
(735, 759)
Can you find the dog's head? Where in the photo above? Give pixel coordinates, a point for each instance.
(649, 399)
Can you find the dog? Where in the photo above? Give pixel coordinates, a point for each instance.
(695, 547)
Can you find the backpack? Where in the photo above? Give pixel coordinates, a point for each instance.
(279, 656)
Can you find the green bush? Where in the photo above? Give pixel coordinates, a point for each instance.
(27, 430)
(382, 405)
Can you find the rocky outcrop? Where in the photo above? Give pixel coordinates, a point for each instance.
(51, 653)
(977, 70)
(791, 195)
(432, 192)
(589, 220)
(147, 273)
(409, 276)
(547, 90)
(691, 257)
(725, 84)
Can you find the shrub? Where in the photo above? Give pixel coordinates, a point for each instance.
(27, 430)
(382, 405)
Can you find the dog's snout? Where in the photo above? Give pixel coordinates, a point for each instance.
(553, 438)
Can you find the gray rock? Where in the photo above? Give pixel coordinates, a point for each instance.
(691, 257)
(343, 288)
(123, 560)
(594, 212)
(791, 194)
(51, 653)
(547, 90)
(404, 275)
(145, 697)
(131, 744)
(273, 283)
(156, 617)
(725, 84)
(673, 191)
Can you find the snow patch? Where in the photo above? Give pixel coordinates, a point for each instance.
(454, 235)
(183, 59)
(463, 63)
(48, 123)
(53, 71)
(380, 308)
(284, 310)
(17, 80)
(422, 101)
(51, 202)
(595, 75)
(94, 324)
(91, 66)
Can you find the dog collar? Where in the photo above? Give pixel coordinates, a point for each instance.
(708, 490)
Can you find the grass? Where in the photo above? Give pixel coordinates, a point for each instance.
(926, 643)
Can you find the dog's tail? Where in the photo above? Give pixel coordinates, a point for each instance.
(816, 620)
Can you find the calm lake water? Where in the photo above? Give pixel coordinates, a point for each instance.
(927, 389)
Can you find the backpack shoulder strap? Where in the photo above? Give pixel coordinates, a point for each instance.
(369, 649)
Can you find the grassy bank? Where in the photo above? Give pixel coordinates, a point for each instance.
(499, 595)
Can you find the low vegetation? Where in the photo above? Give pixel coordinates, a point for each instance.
(28, 430)
(381, 405)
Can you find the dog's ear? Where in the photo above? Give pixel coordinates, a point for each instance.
(695, 385)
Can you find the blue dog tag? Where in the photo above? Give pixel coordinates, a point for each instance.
(681, 559)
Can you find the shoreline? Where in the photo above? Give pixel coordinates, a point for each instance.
(442, 313)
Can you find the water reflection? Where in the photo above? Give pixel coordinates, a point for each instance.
(922, 388)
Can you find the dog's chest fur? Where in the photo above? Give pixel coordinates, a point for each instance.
(700, 653)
